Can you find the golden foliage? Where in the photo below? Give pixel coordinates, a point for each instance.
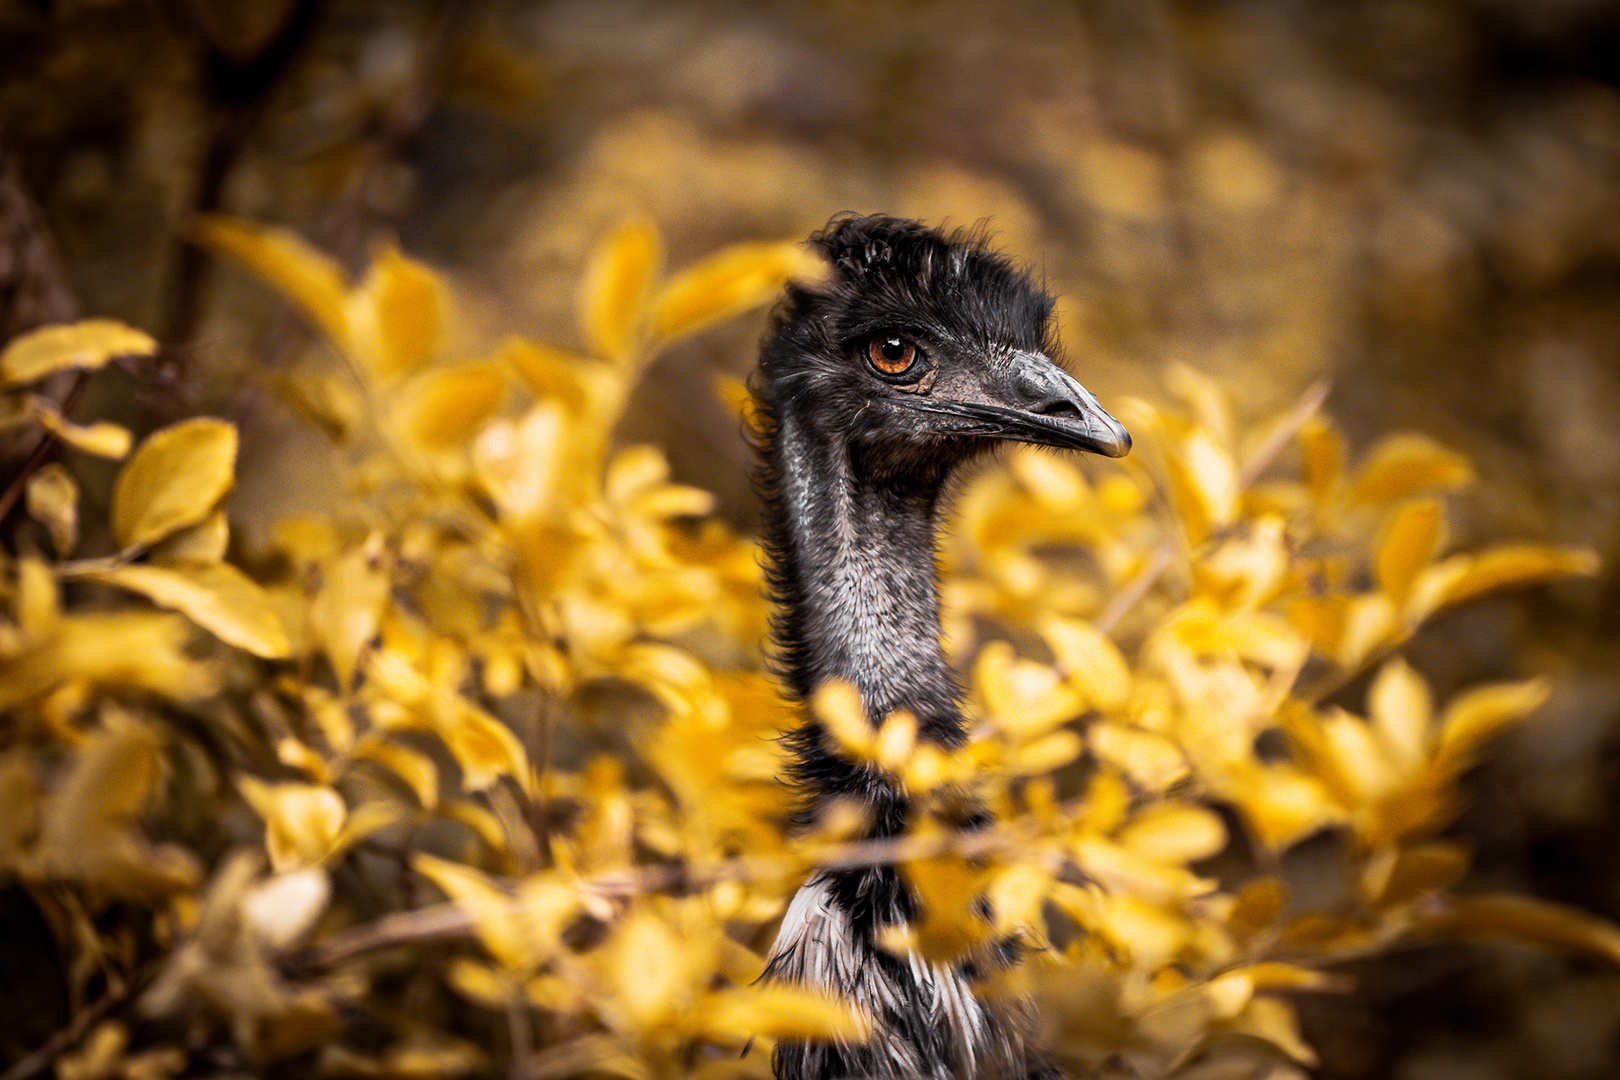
(519, 671)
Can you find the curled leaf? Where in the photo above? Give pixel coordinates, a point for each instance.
(613, 289)
(102, 439)
(396, 318)
(741, 277)
(53, 501)
(1537, 922)
(1411, 542)
(304, 275)
(89, 343)
(1405, 464)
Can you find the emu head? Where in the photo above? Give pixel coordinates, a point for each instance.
(922, 350)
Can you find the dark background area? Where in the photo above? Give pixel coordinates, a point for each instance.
(1418, 199)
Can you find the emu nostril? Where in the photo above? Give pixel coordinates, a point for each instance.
(1057, 406)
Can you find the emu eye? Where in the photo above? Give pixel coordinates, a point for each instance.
(891, 354)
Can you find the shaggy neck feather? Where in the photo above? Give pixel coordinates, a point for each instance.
(859, 551)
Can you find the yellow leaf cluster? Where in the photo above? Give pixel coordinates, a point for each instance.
(512, 693)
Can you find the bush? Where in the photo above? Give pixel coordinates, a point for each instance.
(475, 773)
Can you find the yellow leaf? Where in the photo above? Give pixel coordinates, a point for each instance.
(1324, 458)
(1517, 565)
(397, 316)
(90, 829)
(1476, 714)
(491, 908)
(653, 970)
(1321, 619)
(1369, 624)
(728, 283)
(302, 822)
(777, 1011)
(1149, 759)
(100, 440)
(1016, 896)
(53, 501)
(1023, 698)
(548, 372)
(1125, 872)
(411, 766)
(1175, 833)
(1211, 410)
(138, 650)
(1250, 567)
(1283, 804)
(614, 286)
(484, 747)
(347, 609)
(1520, 918)
(1150, 935)
(634, 470)
(483, 824)
(837, 704)
(216, 596)
(948, 891)
(1415, 872)
(175, 479)
(896, 739)
(204, 542)
(38, 599)
(444, 409)
(1401, 709)
(304, 275)
(1093, 662)
(520, 464)
(1045, 754)
(479, 982)
(1405, 464)
(1411, 542)
(1359, 769)
(1275, 1022)
(1204, 486)
(86, 344)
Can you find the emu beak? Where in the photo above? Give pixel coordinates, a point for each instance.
(1053, 409)
(1033, 400)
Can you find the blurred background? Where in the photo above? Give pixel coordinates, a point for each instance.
(1419, 199)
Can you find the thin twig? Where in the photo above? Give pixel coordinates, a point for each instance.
(37, 1061)
(1287, 426)
(441, 921)
(447, 921)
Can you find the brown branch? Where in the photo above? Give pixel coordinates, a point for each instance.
(440, 922)
(37, 1061)
(344, 228)
(238, 91)
(34, 291)
(607, 892)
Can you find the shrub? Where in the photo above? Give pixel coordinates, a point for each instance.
(475, 773)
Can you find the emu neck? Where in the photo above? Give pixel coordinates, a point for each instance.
(856, 553)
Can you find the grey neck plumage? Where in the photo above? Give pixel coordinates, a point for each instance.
(860, 546)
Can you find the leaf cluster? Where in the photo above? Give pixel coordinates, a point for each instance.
(477, 773)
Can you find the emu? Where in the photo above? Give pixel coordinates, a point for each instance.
(922, 351)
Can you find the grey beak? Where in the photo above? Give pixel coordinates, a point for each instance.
(1056, 406)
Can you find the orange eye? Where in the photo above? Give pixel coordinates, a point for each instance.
(891, 354)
